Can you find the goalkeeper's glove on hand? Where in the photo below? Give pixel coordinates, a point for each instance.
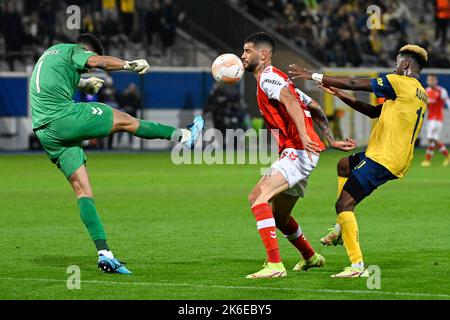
(140, 66)
(90, 85)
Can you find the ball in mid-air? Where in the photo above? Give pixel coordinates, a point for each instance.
(227, 68)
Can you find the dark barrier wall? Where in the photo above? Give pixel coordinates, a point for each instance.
(170, 90)
(13, 96)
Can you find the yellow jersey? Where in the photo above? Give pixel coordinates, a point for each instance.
(391, 143)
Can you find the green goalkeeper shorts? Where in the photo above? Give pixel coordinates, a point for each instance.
(62, 137)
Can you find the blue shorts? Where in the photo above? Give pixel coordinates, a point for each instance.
(366, 176)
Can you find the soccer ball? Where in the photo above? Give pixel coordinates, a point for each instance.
(227, 68)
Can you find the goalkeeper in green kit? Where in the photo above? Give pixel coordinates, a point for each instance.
(61, 124)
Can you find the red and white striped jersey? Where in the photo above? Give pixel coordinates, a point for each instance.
(270, 83)
(437, 98)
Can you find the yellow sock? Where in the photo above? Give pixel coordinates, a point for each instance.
(349, 229)
(341, 182)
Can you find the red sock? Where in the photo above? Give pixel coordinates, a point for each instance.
(429, 152)
(267, 230)
(442, 149)
(295, 235)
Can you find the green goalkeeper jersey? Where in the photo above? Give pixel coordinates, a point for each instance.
(54, 81)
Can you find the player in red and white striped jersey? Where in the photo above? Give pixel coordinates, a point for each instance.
(289, 114)
(437, 100)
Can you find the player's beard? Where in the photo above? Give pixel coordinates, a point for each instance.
(251, 66)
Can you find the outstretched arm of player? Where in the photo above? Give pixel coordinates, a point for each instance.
(348, 83)
(296, 112)
(365, 108)
(109, 63)
(321, 120)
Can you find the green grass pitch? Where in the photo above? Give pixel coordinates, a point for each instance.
(187, 232)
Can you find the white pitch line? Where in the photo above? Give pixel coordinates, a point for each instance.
(376, 292)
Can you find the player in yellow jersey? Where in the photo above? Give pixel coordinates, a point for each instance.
(391, 144)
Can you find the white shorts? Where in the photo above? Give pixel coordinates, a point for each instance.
(295, 167)
(434, 128)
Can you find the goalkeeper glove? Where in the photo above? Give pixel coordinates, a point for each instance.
(90, 85)
(140, 66)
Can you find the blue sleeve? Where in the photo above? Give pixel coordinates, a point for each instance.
(383, 88)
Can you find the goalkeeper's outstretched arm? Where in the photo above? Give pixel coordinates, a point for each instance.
(106, 63)
(92, 85)
(109, 63)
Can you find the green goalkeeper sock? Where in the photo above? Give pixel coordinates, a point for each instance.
(91, 220)
(156, 130)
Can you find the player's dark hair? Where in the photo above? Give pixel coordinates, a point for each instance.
(261, 38)
(92, 41)
(421, 62)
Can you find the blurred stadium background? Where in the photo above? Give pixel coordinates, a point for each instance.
(181, 41)
(156, 212)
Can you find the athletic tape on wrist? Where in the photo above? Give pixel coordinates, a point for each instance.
(318, 77)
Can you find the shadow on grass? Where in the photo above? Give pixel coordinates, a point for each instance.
(64, 261)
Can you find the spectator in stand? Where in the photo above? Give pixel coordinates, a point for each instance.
(88, 25)
(141, 8)
(127, 10)
(437, 57)
(339, 26)
(401, 17)
(109, 6)
(333, 31)
(48, 18)
(30, 6)
(153, 20)
(130, 101)
(350, 46)
(1, 19)
(13, 34)
(34, 29)
(170, 16)
(442, 18)
(291, 26)
(109, 29)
